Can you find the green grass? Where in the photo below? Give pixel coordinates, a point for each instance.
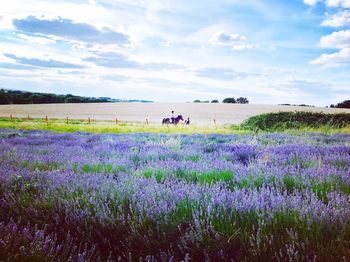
(209, 177)
(59, 125)
(289, 122)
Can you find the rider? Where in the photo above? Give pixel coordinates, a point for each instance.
(172, 117)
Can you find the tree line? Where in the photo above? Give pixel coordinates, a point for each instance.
(344, 104)
(25, 97)
(227, 100)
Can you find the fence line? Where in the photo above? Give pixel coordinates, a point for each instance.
(67, 119)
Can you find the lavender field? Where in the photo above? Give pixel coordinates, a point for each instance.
(154, 197)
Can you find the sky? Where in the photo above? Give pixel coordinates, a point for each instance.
(270, 51)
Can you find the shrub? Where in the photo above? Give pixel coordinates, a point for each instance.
(295, 120)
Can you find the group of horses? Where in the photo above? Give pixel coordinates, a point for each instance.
(175, 120)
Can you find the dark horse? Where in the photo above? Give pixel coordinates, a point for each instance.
(172, 120)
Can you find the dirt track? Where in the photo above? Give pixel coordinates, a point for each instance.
(154, 112)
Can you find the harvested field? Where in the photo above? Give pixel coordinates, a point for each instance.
(154, 112)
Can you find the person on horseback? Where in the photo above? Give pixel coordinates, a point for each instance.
(172, 117)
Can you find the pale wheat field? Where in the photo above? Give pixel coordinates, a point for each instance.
(153, 112)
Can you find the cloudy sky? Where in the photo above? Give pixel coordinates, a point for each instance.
(270, 51)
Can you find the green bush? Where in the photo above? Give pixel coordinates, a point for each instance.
(295, 120)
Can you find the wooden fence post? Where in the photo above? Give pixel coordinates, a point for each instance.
(46, 120)
(116, 121)
(67, 120)
(146, 121)
(89, 120)
(28, 117)
(11, 117)
(215, 122)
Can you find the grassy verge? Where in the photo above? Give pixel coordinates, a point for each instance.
(288, 122)
(60, 125)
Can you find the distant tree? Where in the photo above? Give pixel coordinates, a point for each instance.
(38, 99)
(19, 99)
(53, 98)
(73, 99)
(197, 101)
(25, 97)
(306, 105)
(4, 99)
(229, 100)
(215, 101)
(331, 106)
(344, 104)
(242, 100)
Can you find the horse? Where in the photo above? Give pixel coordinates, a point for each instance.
(172, 120)
(166, 121)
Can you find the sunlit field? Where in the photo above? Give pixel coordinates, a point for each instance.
(199, 113)
(110, 197)
(100, 126)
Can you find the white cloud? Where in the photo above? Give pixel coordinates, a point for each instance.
(338, 3)
(333, 60)
(311, 2)
(223, 73)
(340, 39)
(235, 41)
(163, 35)
(36, 39)
(68, 29)
(330, 3)
(338, 20)
(336, 40)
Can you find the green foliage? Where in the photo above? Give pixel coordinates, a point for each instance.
(97, 168)
(292, 183)
(239, 100)
(24, 97)
(344, 104)
(209, 177)
(215, 176)
(295, 120)
(4, 99)
(229, 100)
(38, 99)
(215, 101)
(242, 100)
